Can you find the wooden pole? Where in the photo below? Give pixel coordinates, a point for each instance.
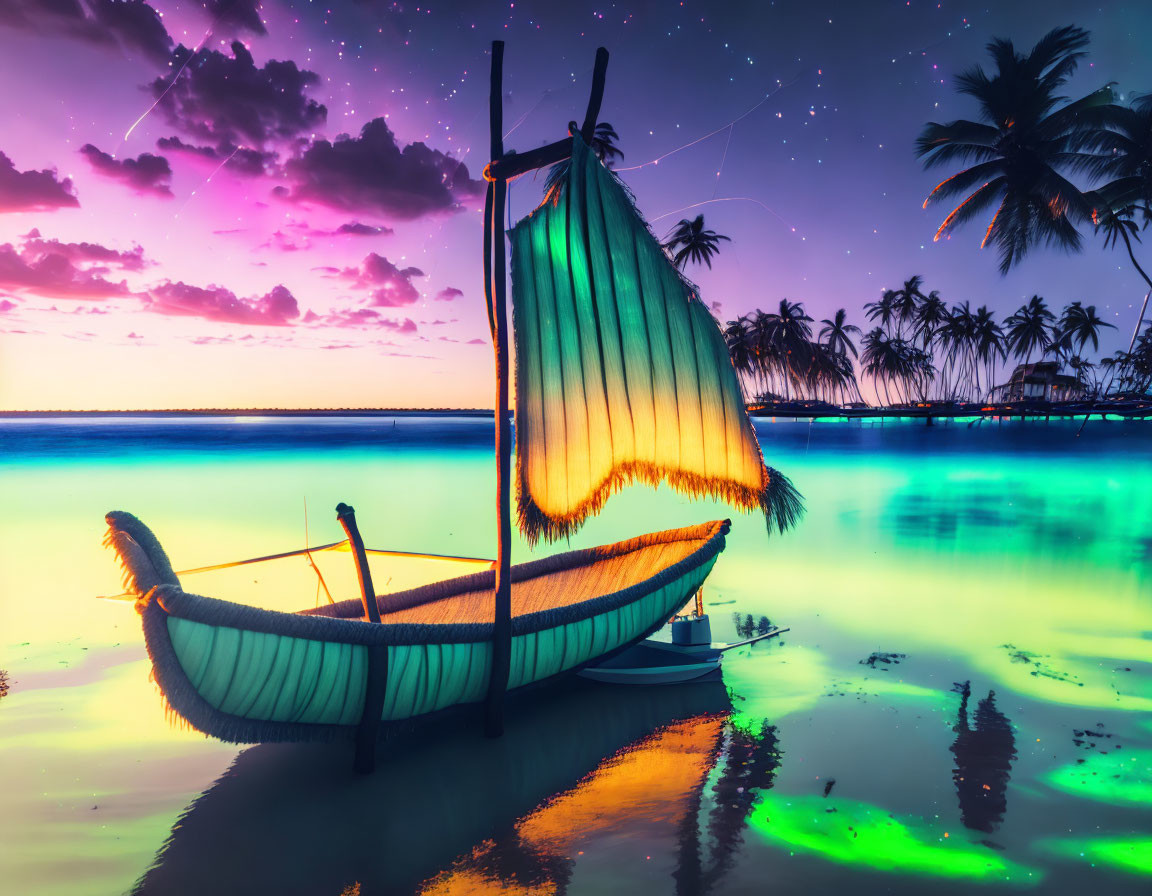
(347, 517)
(498, 309)
(368, 731)
(506, 167)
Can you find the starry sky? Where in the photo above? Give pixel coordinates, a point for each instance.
(229, 203)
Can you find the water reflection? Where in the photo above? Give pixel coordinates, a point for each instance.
(748, 626)
(984, 752)
(451, 808)
(748, 761)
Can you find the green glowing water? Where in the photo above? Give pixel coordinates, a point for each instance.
(1017, 558)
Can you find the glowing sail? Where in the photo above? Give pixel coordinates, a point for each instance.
(621, 372)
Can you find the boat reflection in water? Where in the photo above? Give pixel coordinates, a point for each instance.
(984, 753)
(449, 811)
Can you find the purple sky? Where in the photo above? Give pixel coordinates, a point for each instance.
(287, 222)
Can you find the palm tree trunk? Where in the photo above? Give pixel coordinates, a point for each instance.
(1144, 307)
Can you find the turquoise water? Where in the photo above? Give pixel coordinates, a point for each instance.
(1016, 557)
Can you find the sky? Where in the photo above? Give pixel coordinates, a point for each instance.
(235, 204)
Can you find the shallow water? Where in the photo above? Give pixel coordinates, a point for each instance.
(847, 754)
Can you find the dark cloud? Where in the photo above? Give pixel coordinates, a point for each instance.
(144, 174)
(241, 15)
(372, 174)
(129, 24)
(391, 286)
(275, 308)
(33, 191)
(239, 160)
(355, 228)
(135, 24)
(36, 249)
(53, 274)
(228, 102)
(448, 293)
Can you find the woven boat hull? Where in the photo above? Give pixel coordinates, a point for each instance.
(247, 675)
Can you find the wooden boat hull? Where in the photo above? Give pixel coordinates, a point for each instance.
(248, 675)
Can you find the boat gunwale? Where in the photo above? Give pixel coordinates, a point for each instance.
(174, 601)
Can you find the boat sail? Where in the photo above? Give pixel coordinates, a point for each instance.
(621, 371)
(622, 375)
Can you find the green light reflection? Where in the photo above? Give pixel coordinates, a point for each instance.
(863, 834)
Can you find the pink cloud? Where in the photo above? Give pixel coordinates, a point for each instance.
(36, 248)
(476, 342)
(391, 286)
(448, 293)
(275, 308)
(6, 306)
(284, 243)
(360, 318)
(33, 191)
(50, 273)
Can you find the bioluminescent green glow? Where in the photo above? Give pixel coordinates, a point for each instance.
(866, 835)
(1133, 855)
(1122, 777)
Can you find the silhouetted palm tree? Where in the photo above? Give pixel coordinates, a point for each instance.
(931, 313)
(1081, 325)
(988, 345)
(1116, 223)
(603, 144)
(1029, 328)
(1123, 150)
(691, 241)
(906, 301)
(956, 336)
(1019, 146)
(883, 309)
(837, 334)
(739, 338)
(883, 360)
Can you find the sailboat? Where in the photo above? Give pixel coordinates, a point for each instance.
(622, 376)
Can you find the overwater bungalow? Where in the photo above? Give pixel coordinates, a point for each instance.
(1041, 380)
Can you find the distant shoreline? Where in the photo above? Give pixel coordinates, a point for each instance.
(1127, 409)
(263, 412)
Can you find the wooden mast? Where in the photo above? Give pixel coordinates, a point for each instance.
(498, 319)
(498, 172)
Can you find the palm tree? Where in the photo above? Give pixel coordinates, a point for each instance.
(895, 362)
(906, 301)
(956, 336)
(1116, 223)
(1081, 325)
(988, 345)
(1029, 328)
(883, 309)
(741, 344)
(690, 241)
(1123, 150)
(604, 141)
(931, 313)
(837, 334)
(1019, 146)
